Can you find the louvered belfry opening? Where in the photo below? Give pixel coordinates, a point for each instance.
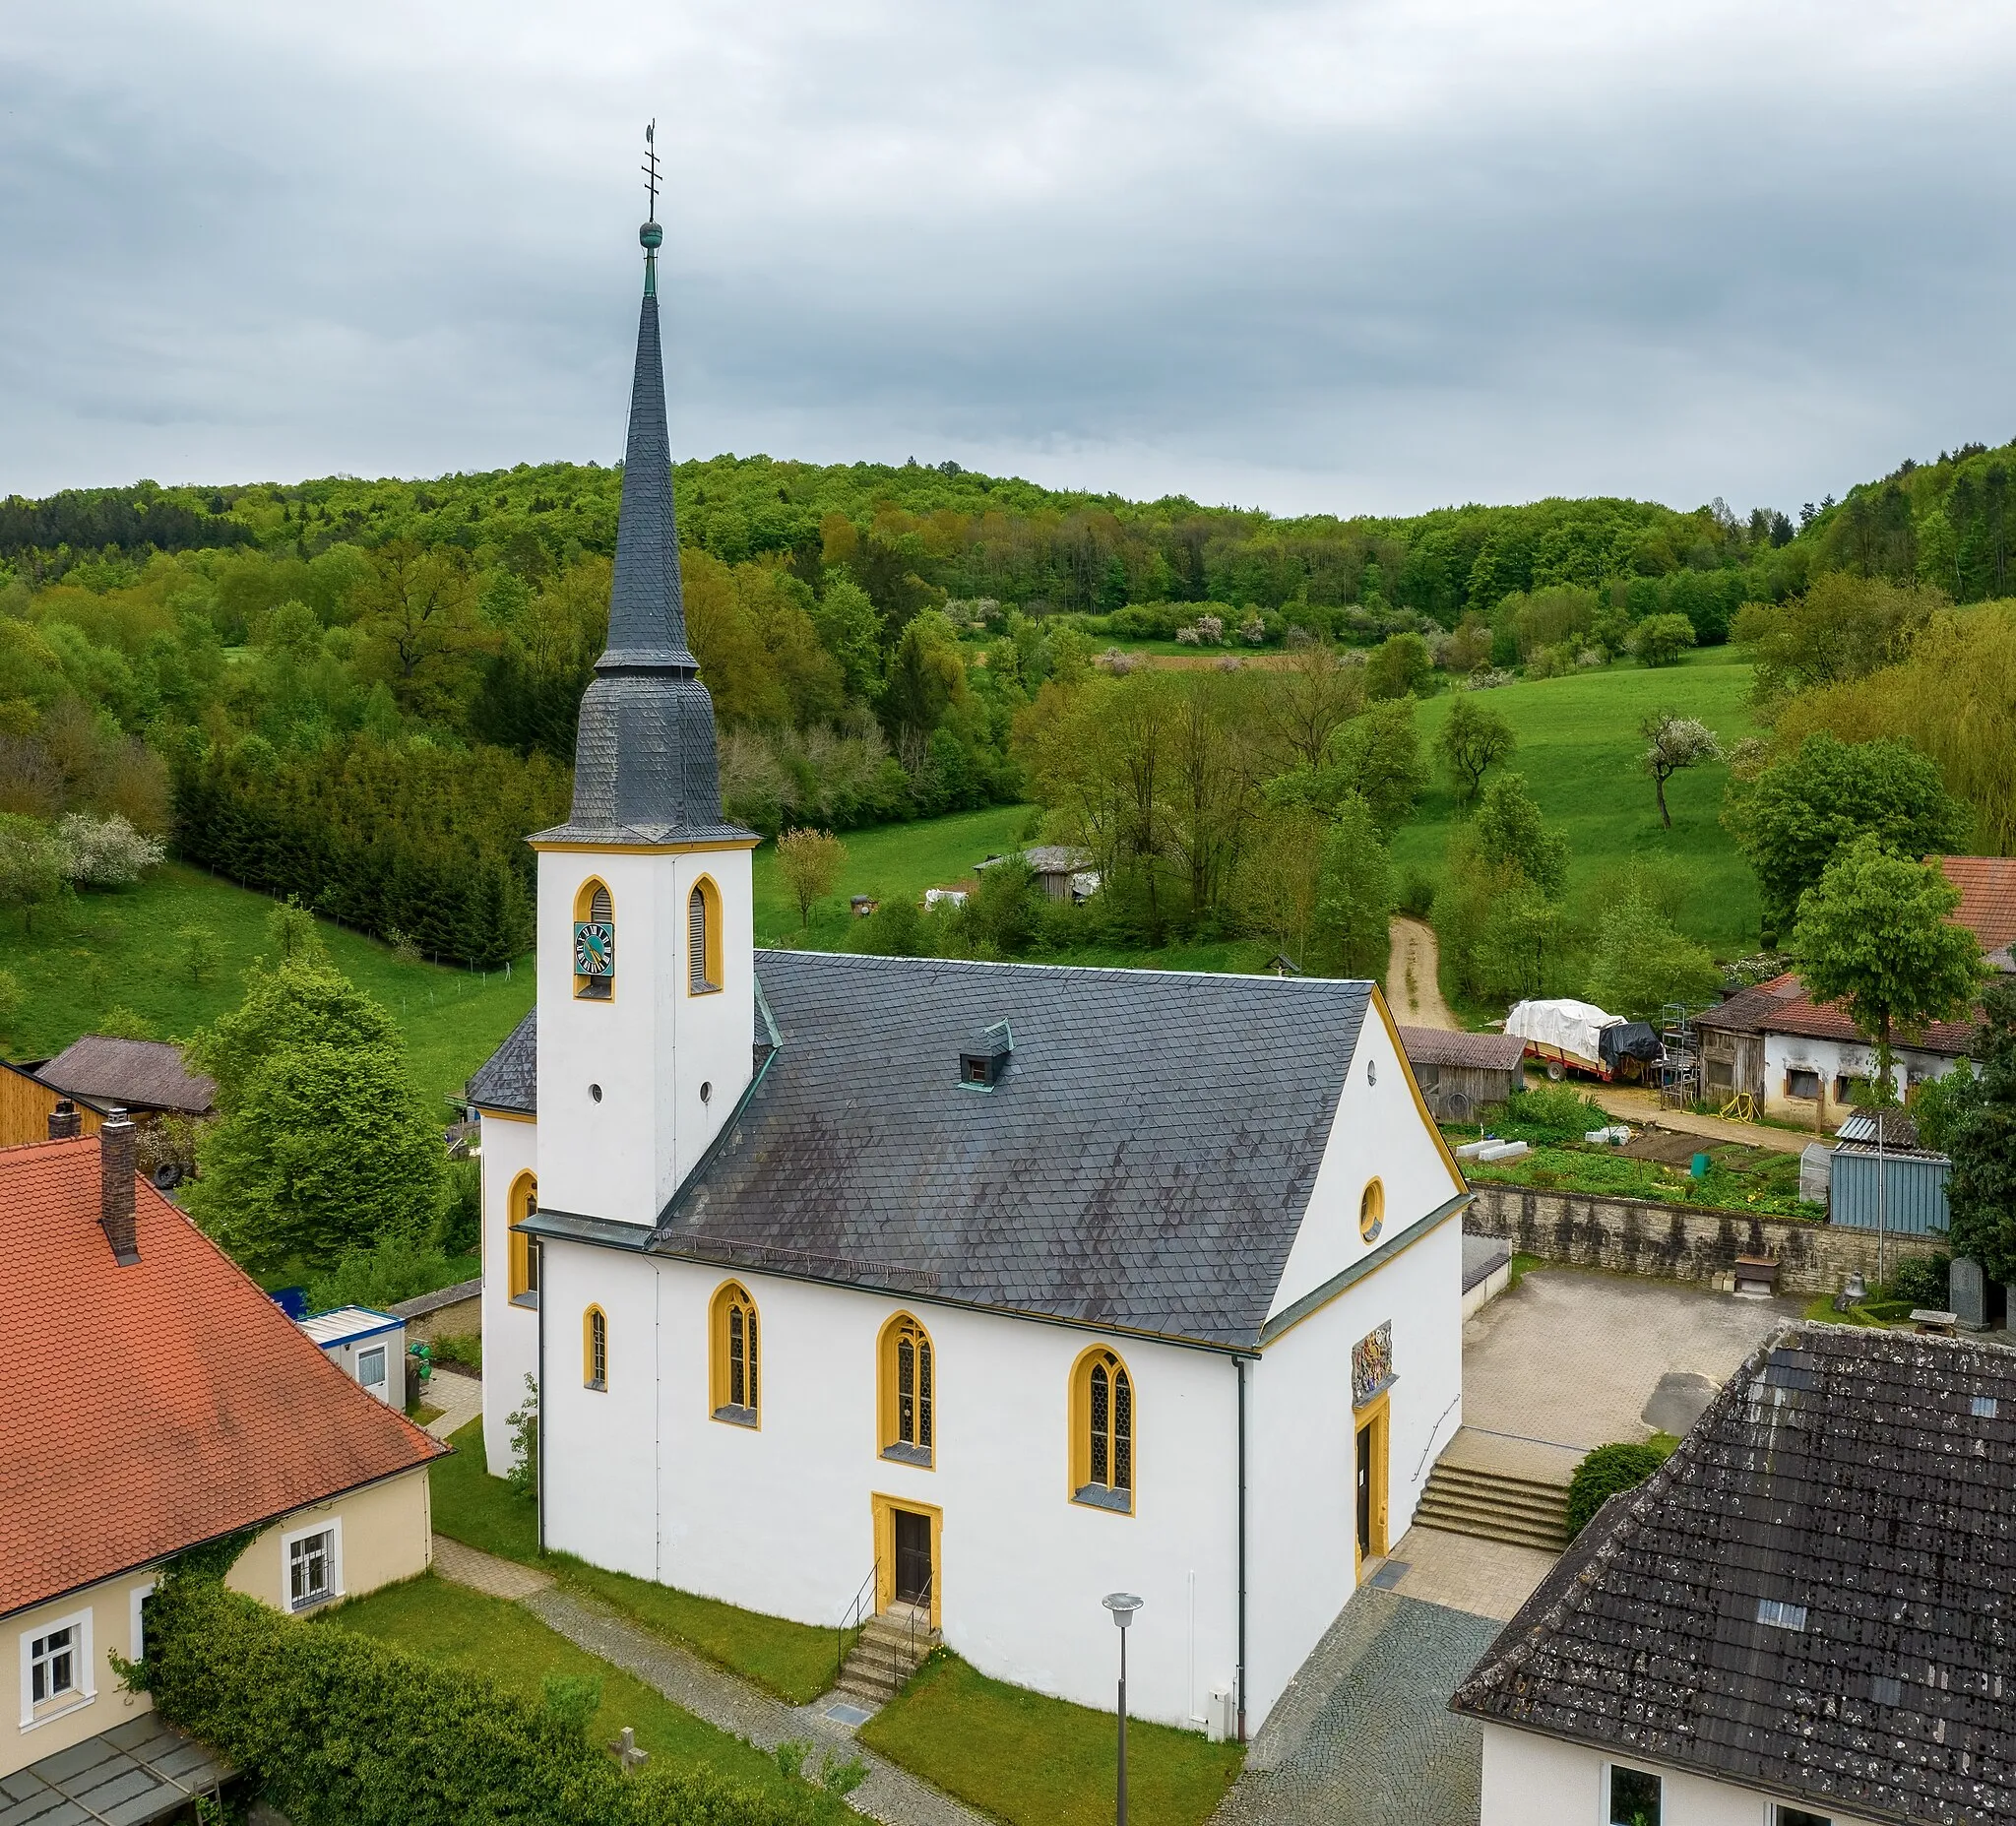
(699, 974)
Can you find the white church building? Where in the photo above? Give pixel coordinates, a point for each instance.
(987, 1287)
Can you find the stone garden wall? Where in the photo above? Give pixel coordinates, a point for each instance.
(1678, 1243)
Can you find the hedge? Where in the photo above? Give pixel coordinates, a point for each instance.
(1604, 1473)
(400, 840)
(339, 1730)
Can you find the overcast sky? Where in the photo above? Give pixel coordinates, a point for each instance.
(1361, 256)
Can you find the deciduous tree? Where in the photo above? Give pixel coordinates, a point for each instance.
(1474, 738)
(1349, 935)
(810, 863)
(1982, 1190)
(1673, 743)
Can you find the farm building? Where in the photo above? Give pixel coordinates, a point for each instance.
(1900, 1186)
(32, 1110)
(145, 1078)
(1062, 871)
(1460, 1073)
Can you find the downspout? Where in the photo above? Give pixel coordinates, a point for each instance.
(1240, 1372)
(540, 1482)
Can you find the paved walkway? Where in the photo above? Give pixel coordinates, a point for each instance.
(1461, 1572)
(460, 1399)
(1363, 1737)
(710, 1692)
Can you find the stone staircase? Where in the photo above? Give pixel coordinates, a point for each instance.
(1495, 1505)
(893, 1644)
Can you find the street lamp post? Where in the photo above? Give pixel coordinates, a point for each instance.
(1122, 1604)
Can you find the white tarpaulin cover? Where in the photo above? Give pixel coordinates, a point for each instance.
(1572, 1027)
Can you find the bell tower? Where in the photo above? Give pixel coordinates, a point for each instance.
(646, 935)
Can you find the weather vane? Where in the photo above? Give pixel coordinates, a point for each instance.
(650, 165)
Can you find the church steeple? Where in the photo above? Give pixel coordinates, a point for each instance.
(644, 755)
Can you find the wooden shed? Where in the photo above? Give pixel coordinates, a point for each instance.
(27, 1103)
(1460, 1073)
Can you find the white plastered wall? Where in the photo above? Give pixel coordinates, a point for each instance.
(1302, 1443)
(1532, 1780)
(1831, 1058)
(650, 1047)
(1380, 1131)
(511, 1333)
(781, 1519)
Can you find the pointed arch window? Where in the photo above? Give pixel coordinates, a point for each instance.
(521, 1203)
(1102, 1432)
(908, 1376)
(595, 943)
(594, 1348)
(703, 938)
(735, 1379)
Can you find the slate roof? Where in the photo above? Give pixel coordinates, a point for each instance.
(1860, 1477)
(509, 1079)
(645, 767)
(138, 1073)
(1434, 1045)
(153, 1406)
(1143, 1164)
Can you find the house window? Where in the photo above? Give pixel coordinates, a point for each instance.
(52, 1665)
(523, 1203)
(594, 1348)
(909, 1384)
(735, 1386)
(703, 939)
(371, 1369)
(595, 943)
(1797, 1817)
(314, 1565)
(1633, 1797)
(1102, 1432)
(1803, 1084)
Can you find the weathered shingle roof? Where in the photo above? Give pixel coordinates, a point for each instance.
(139, 1074)
(1750, 1011)
(1861, 1479)
(509, 1079)
(1782, 1006)
(1144, 1163)
(1434, 1045)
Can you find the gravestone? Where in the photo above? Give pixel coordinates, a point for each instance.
(1968, 1296)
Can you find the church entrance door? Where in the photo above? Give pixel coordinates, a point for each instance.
(913, 1558)
(1368, 1486)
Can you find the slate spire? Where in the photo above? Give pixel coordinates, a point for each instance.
(644, 755)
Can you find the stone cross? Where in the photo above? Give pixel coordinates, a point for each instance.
(1968, 1296)
(626, 1752)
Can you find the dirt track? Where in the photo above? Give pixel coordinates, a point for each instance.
(1412, 986)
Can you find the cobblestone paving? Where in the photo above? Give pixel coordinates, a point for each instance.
(732, 1704)
(485, 1572)
(460, 1399)
(1363, 1737)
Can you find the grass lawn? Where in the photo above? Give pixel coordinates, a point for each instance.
(793, 1661)
(121, 949)
(1035, 1761)
(1579, 747)
(489, 1636)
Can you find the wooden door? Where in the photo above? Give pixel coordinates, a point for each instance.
(913, 1557)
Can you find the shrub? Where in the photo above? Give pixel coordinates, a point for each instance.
(524, 1421)
(1560, 1112)
(1416, 896)
(339, 1730)
(1604, 1473)
(1921, 1280)
(106, 853)
(464, 1348)
(392, 1269)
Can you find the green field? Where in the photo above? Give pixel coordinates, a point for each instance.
(123, 950)
(1579, 747)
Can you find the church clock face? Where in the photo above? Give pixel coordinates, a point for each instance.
(595, 948)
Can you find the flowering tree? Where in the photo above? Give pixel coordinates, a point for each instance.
(1675, 743)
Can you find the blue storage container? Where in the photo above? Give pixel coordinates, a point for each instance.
(1917, 1190)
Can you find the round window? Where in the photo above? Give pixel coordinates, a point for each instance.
(1372, 1212)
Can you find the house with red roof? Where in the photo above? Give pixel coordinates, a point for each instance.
(1800, 1060)
(155, 1400)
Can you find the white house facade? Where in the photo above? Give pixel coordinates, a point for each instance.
(979, 1289)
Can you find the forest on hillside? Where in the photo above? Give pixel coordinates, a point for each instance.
(363, 692)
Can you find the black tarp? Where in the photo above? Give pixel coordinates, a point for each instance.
(1629, 1040)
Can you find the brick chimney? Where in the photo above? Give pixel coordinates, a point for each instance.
(116, 1166)
(66, 1121)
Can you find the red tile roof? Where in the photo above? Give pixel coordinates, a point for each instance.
(1799, 1014)
(1753, 1010)
(1988, 896)
(154, 1407)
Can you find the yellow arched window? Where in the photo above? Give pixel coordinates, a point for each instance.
(1102, 1432)
(1372, 1210)
(522, 1201)
(594, 1348)
(734, 1381)
(907, 1379)
(595, 943)
(703, 938)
